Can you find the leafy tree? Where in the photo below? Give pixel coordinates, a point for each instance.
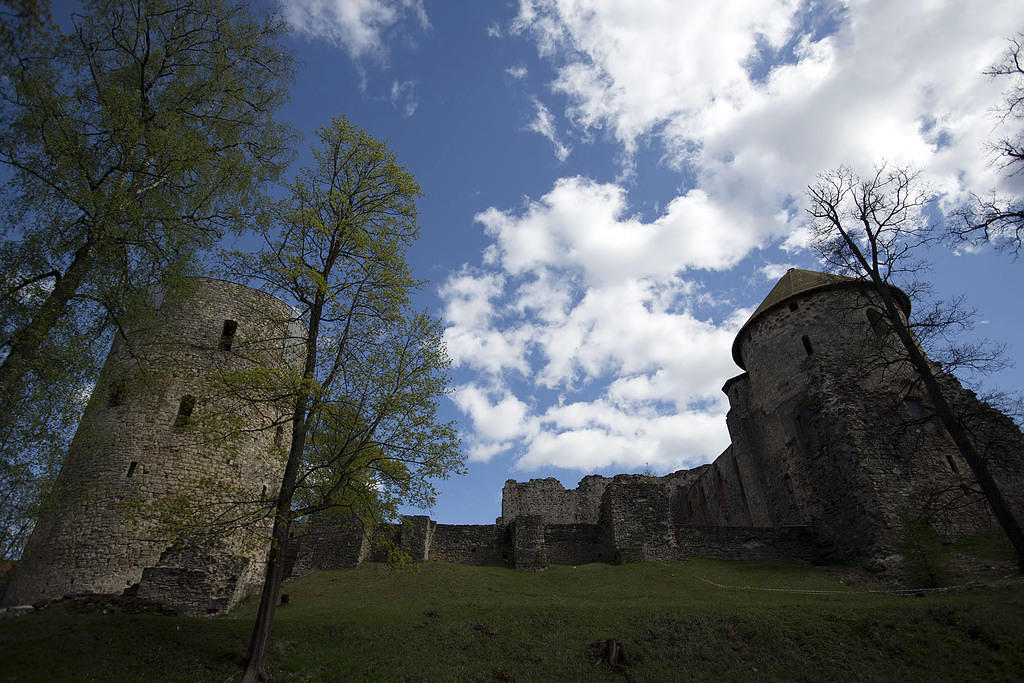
(872, 229)
(996, 219)
(364, 431)
(19, 18)
(131, 143)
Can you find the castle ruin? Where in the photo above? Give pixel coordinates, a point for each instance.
(834, 452)
(164, 439)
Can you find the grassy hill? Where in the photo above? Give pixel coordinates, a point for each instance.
(698, 620)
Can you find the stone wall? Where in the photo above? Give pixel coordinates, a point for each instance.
(417, 534)
(636, 513)
(830, 431)
(160, 433)
(549, 499)
(577, 544)
(471, 544)
(834, 452)
(328, 542)
(528, 549)
(195, 581)
(749, 543)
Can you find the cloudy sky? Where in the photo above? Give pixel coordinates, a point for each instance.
(612, 186)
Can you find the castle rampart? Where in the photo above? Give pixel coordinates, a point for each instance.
(834, 452)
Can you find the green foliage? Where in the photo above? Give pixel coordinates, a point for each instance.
(925, 560)
(36, 431)
(134, 140)
(365, 437)
(375, 370)
(132, 143)
(399, 559)
(452, 622)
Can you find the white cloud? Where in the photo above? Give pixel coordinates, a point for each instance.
(468, 295)
(497, 416)
(887, 80)
(517, 72)
(544, 124)
(630, 66)
(773, 271)
(474, 337)
(584, 224)
(358, 26)
(403, 97)
(584, 299)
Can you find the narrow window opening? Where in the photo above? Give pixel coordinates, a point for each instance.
(185, 407)
(952, 464)
(228, 335)
(807, 344)
(278, 436)
(131, 469)
(793, 306)
(116, 396)
(263, 493)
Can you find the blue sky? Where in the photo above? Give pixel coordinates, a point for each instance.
(611, 187)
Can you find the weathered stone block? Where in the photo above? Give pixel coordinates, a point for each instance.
(529, 551)
(417, 532)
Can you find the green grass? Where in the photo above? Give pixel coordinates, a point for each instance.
(451, 622)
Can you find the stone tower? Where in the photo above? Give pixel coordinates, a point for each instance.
(831, 429)
(836, 456)
(166, 435)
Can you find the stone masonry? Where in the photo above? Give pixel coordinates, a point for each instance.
(154, 439)
(834, 450)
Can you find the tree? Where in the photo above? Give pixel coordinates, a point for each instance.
(872, 229)
(364, 430)
(18, 17)
(132, 143)
(996, 219)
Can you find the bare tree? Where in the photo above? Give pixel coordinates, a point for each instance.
(873, 229)
(992, 218)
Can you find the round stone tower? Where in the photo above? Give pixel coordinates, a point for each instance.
(831, 428)
(183, 437)
(809, 313)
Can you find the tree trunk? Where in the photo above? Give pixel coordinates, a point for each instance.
(26, 342)
(1002, 511)
(256, 666)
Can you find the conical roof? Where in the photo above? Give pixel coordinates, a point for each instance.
(798, 281)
